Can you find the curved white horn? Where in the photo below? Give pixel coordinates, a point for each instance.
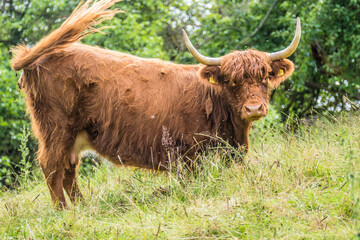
(200, 58)
(291, 48)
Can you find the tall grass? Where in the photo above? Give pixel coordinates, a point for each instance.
(24, 164)
(296, 183)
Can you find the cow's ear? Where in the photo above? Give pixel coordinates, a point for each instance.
(281, 70)
(211, 75)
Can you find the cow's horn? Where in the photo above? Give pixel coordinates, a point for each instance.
(200, 58)
(291, 48)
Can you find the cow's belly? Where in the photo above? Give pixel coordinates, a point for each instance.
(83, 144)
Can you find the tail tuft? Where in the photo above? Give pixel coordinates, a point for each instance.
(80, 23)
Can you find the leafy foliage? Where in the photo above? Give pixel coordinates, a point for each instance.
(327, 60)
(12, 120)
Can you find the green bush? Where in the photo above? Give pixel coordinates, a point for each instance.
(12, 120)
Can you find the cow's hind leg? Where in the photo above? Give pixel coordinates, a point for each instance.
(71, 185)
(54, 181)
(54, 174)
(59, 168)
(70, 182)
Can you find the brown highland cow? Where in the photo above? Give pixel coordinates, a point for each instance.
(123, 106)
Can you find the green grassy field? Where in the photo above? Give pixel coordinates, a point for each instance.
(302, 184)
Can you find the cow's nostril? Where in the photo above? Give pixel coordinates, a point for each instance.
(260, 108)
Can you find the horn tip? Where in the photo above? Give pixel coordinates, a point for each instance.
(184, 33)
(298, 22)
(298, 25)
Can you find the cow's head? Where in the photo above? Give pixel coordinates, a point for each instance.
(246, 77)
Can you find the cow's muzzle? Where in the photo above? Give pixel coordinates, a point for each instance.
(253, 112)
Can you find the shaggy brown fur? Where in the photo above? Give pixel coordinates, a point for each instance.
(129, 109)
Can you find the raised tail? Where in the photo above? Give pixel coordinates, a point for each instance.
(80, 23)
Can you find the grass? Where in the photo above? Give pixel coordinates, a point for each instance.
(302, 184)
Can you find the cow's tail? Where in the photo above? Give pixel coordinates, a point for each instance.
(81, 22)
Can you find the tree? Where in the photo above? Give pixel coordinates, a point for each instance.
(327, 61)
